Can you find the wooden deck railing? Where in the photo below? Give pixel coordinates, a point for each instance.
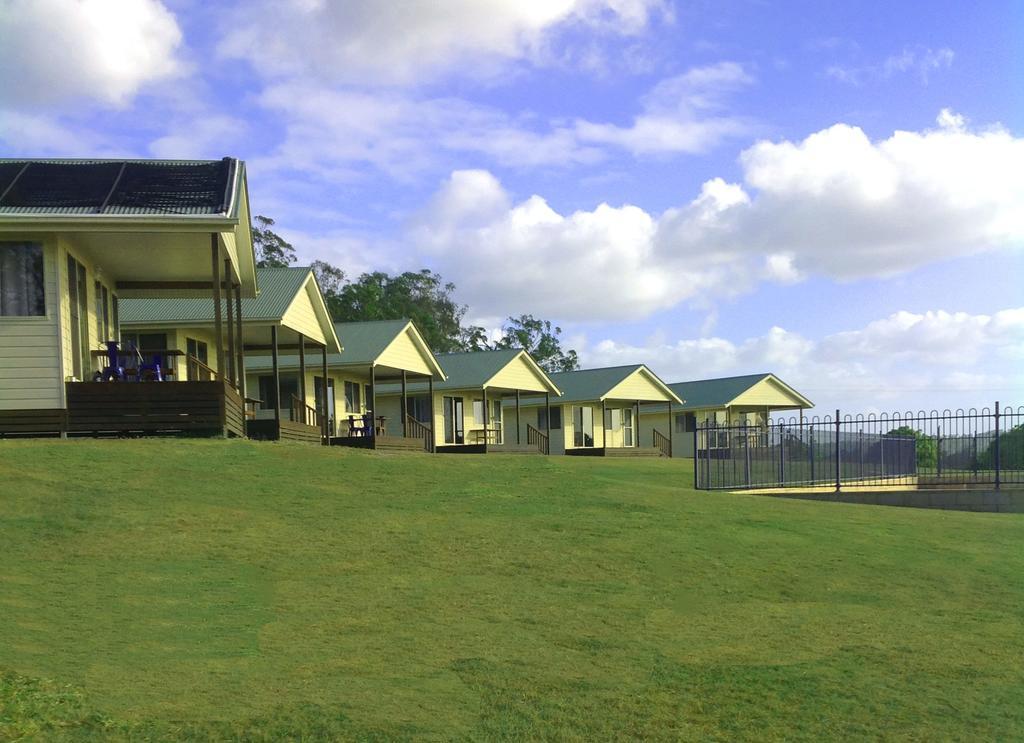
(302, 412)
(538, 439)
(661, 442)
(417, 430)
(197, 371)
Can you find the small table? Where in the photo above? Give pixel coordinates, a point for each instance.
(382, 429)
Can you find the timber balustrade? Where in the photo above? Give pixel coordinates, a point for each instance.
(537, 438)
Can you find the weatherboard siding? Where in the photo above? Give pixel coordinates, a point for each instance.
(519, 374)
(637, 386)
(766, 392)
(30, 358)
(301, 315)
(403, 353)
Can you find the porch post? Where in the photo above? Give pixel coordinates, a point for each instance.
(302, 372)
(547, 419)
(405, 406)
(218, 322)
(604, 428)
(277, 380)
(373, 399)
(240, 363)
(433, 418)
(486, 417)
(229, 284)
(671, 426)
(519, 430)
(325, 412)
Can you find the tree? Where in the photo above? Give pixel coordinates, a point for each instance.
(332, 283)
(422, 296)
(272, 250)
(1011, 451)
(927, 447)
(541, 340)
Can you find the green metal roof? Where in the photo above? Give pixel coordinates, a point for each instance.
(278, 288)
(473, 368)
(590, 384)
(714, 393)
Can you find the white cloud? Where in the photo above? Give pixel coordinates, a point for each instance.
(835, 204)
(207, 135)
(931, 359)
(674, 114)
(366, 41)
(920, 61)
(107, 50)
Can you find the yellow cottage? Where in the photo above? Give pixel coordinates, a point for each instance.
(465, 412)
(597, 414)
(289, 315)
(79, 236)
(749, 399)
(374, 353)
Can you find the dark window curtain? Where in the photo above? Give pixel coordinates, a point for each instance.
(21, 280)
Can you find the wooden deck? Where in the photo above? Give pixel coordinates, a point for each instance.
(267, 429)
(39, 422)
(115, 408)
(487, 449)
(380, 443)
(615, 451)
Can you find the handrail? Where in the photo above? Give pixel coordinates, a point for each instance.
(538, 439)
(662, 443)
(418, 430)
(310, 416)
(204, 373)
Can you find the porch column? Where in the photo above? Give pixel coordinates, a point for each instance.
(405, 406)
(486, 432)
(240, 363)
(325, 411)
(671, 426)
(229, 285)
(519, 431)
(218, 322)
(636, 425)
(604, 429)
(302, 372)
(373, 399)
(433, 417)
(547, 419)
(277, 379)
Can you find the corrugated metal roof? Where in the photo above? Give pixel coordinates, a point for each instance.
(118, 187)
(590, 384)
(278, 287)
(465, 370)
(714, 393)
(362, 342)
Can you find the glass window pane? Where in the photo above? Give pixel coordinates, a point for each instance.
(22, 292)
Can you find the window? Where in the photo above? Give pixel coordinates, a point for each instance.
(627, 427)
(583, 425)
(21, 280)
(686, 422)
(318, 394)
(196, 349)
(80, 357)
(478, 412)
(368, 397)
(117, 318)
(556, 418)
(102, 300)
(353, 400)
(454, 420)
(289, 388)
(419, 408)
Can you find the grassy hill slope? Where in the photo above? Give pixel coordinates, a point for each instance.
(231, 589)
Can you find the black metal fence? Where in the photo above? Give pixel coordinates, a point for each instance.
(949, 448)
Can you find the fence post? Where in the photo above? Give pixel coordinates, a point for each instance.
(696, 455)
(997, 445)
(782, 455)
(839, 483)
(746, 453)
(938, 454)
(811, 450)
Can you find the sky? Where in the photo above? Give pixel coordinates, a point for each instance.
(833, 192)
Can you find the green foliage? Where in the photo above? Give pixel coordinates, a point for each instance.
(541, 340)
(332, 283)
(290, 592)
(272, 250)
(927, 447)
(421, 296)
(1011, 451)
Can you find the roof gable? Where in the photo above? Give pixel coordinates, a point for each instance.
(634, 382)
(522, 373)
(410, 352)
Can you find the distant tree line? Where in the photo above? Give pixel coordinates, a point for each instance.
(421, 296)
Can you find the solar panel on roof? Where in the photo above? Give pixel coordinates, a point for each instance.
(172, 188)
(55, 185)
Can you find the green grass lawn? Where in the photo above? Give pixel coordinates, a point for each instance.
(209, 589)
